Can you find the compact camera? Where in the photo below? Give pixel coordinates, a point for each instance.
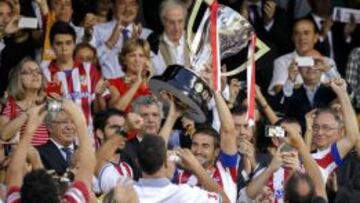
(274, 131)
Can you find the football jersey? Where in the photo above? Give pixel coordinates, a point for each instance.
(224, 173)
(77, 84)
(328, 160)
(113, 174)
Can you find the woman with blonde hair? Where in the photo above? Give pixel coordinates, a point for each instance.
(25, 90)
(135, 61)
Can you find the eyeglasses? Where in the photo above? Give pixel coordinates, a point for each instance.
(325, 128)
(31, 72)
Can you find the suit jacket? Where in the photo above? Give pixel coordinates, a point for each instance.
(339, 45)
(298, 104)
(51, 158)
(166, 55)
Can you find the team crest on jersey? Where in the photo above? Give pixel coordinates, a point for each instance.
(83, 80)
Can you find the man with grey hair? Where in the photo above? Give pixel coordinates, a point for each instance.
(57, 152)
(150, 111)
(172, 43)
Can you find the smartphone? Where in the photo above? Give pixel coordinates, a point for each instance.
(274, 131)
(26, 22)
(305, 61)
(286, 148)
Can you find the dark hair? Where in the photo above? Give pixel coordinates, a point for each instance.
(83, 45)
(102, 117)
(287, 120)
(291, 186)
(304, 19)
(209, 131)
(238, 110)
(39, 187)
(61, 27)
(151, 153)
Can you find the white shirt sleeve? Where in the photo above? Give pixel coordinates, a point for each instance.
(280, 74)
(109, 177)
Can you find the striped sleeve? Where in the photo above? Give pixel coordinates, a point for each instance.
(78, 193)
(7, 110)
(13, 195)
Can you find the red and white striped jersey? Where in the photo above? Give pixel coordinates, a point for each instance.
(113, 174)
(224, 173)
(40, 136)
(277, 184)
(77, 84)
(77, 193)
(328, 160)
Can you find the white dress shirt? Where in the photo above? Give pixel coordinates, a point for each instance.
(177, 50)
(281, 67)
(108, 58)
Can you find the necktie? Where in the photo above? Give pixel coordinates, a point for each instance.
(326, 42)
(68, 153)
(126, 35)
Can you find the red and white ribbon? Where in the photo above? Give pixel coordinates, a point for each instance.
(214, 38)
(251, 82)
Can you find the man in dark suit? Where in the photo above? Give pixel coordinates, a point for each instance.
(57, 152)
(150, 111)
(312, 93)
(335, 39)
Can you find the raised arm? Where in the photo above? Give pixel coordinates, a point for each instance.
(256, 185)
(44, 8)
(15, 171)
(267, 110)
(189, 162)
(349, 117)
(310, 165)
(171, 118)
(86, 152)
(10, 127)
(227, 130)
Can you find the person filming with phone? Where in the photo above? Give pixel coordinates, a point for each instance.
(304, 38)
(298, 100)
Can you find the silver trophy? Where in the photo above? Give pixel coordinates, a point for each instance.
(234, 35)
(189, 89)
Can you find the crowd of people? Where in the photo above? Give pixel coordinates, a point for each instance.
(79, 122)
